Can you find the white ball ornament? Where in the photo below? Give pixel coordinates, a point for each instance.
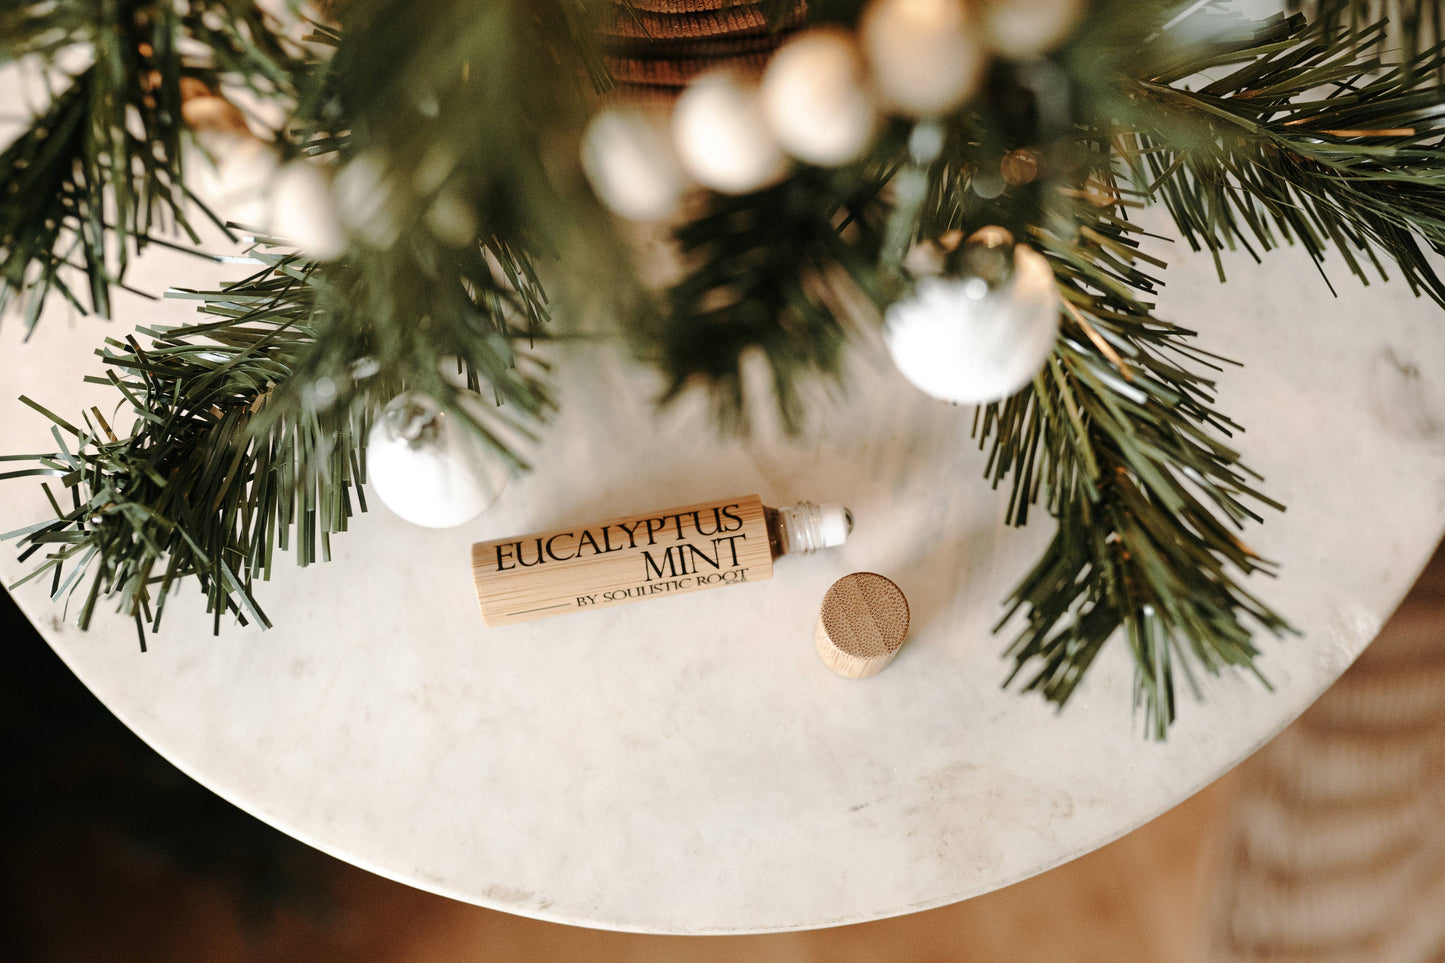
(815, 98)
(961, 340)
(428, 469)
(925, 57)
(1028, 28)
(722, 140)
(452, 219)
(628, 157)
(303, 211)
(366, 200)
(243, 176)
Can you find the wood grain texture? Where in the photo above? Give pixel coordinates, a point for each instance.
(861, 625)
(707, 545)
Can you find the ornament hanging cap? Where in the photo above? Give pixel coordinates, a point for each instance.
(987, 255)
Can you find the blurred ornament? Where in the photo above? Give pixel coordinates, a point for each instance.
(437, 165)
(217, 124)
(303, 211)
(363, 368)
(364, 199)
(241, 165)
(243, 176)
(452, 219)
(428, 469)
(925, 58)
(815, 100)
(721, 138)
(320, 394)
(927, 257)
(1019, 29)
(925, 142)
(628, 157)
(983, 333)
(1019, 167)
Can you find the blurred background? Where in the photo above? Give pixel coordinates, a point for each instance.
(1327, 845)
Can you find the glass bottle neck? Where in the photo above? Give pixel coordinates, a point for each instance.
(795, 529)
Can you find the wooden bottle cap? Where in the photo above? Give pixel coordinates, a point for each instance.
(861, 626)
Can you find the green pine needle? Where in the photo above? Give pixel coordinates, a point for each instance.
(1258, 157)
(98, 174)
(453, 132)
(1117, 438)
(771, 273)
(234, 454)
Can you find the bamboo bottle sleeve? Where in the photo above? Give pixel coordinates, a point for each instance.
(640, 556)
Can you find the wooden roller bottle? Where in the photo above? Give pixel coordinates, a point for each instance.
(641, 556)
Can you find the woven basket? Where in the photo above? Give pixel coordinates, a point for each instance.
(1336, 849)
(658, 46)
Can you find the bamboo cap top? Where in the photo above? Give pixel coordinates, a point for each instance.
(862, 624)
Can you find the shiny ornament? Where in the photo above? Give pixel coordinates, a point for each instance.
(428, 469)
(722, 140)
(816, 100)
(1019, 29)
(1019, 167)
(925, 56)
(972, 339)
(628, 157)
(303, 211)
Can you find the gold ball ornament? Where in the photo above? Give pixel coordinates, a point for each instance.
(1019, 167)
(925, 56)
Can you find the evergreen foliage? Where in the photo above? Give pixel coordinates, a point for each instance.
(99, 172)
(455, 131)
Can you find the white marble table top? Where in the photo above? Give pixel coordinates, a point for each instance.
(688, 764)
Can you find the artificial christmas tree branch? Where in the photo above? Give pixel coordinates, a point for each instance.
(99, 172)
(439, 130)
(194, 490)
(1413, 21)
(64, 175)
(471, 309)
(229, 458)
(768, 272)
(1257, 157)
(447, 148)
(1125, 450)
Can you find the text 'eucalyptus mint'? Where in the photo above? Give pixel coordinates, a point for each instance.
(642, 556)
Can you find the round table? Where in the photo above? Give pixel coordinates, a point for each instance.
(688, 764)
